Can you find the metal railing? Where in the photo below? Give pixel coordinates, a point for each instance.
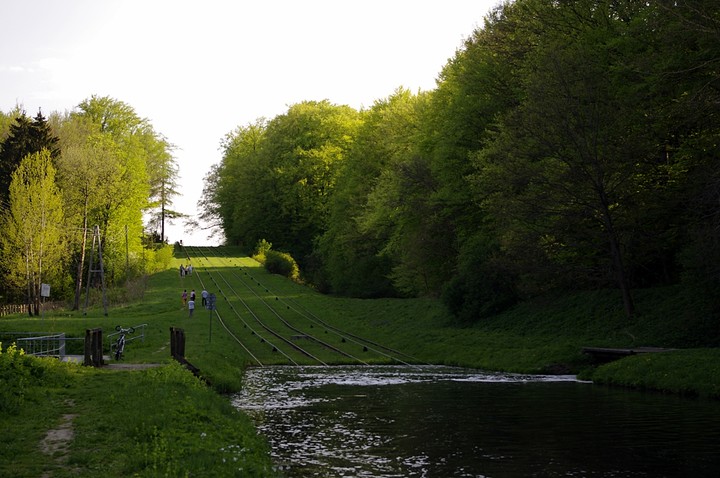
(44, 345)
(55, 345)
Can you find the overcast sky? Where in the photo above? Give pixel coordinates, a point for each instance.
(197, 70)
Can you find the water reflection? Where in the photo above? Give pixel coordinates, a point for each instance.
(447, 422)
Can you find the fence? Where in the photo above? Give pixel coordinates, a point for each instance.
(45, 345)
(54, 345)
(9, 309)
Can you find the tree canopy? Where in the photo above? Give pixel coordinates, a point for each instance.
(567, 145)
(103, 165)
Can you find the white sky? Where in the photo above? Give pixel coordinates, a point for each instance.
(198, 69)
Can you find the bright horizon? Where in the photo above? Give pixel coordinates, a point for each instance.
(196, 71)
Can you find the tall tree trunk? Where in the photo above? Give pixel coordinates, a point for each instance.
(29, 284)
(621, 277)
(81, 264)
(617, 259)
(162, 219)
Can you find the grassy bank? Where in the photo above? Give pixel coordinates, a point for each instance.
(74, 421)
(164, 422)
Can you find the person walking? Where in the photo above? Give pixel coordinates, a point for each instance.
(184, 298)
(192, 295)
(204, 295)
(191, 307)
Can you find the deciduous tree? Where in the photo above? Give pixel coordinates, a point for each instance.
(33, 241)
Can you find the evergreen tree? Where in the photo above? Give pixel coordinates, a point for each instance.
(26, 136)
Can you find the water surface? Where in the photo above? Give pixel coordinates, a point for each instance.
(446, 422)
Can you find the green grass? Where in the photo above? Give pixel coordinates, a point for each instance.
(155, 422)
(693, 372)
(165, 422)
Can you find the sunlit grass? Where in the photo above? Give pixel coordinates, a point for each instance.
(156, 422)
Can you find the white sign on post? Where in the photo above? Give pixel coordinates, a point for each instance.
(45, 290)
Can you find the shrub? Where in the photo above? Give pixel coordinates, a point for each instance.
(158, 259)
(22, 375)
(261, 249)
(281, 263)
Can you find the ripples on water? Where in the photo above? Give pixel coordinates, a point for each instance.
(445, 422)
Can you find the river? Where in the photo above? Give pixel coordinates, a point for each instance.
(404, 421)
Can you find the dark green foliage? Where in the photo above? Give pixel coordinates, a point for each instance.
(23, 377)
(483, 286)
(25, 137)
(567, 146)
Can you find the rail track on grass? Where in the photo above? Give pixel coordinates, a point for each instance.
(270, 324)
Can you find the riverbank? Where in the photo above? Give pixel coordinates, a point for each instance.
(65, 420)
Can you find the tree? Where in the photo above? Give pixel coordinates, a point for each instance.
(302, 152)
(275, 180)
(351, 255)
(683, 65)
(25, 137)
(33, 243)
(88, 164)
(163, 176)
(234, 196)
(208, 204)
(568, 173)
(121, 199)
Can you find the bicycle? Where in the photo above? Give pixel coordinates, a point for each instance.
(120, 343)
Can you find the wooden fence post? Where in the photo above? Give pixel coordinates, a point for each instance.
(93, 348)
(177, 342)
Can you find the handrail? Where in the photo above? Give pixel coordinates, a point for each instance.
(44, 345)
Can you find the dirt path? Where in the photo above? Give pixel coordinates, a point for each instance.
(57, 440)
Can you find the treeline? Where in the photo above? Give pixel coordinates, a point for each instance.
(63, 179)
(568, 145)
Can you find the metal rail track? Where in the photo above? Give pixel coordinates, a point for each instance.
(366, 344)
(275, 347)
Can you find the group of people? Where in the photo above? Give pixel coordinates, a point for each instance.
(185, 270)
(190, 304)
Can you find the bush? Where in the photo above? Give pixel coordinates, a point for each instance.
(24, 375)
(261, 249)
(281, 263)
(158, 259)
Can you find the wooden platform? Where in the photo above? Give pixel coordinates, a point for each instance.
(604, 354)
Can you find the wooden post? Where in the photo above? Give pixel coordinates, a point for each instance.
(177, 342)
(93, 348)
(87, 361)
